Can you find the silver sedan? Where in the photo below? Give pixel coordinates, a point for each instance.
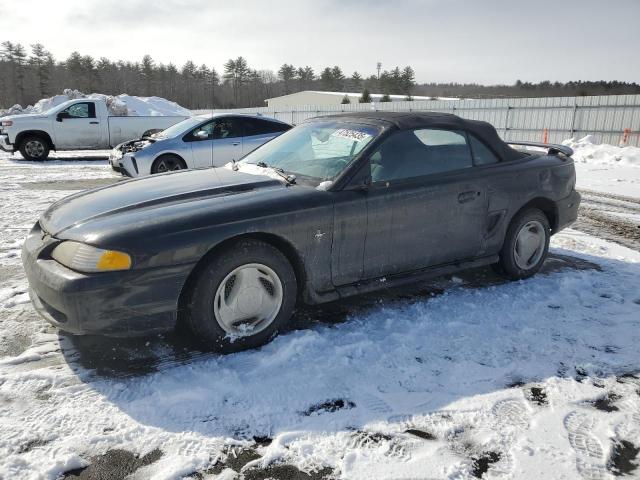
(198, 142)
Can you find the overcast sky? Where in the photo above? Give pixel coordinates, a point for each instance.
(483, 41)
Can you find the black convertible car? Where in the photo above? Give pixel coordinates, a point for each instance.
(337, 206)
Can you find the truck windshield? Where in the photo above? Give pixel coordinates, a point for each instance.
(319, 150)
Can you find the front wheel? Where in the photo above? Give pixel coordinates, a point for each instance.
(168, 163)
(242, 297)
(525, 246)
(34, 147)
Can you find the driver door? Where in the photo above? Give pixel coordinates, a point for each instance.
(77, 127)
(219, 143)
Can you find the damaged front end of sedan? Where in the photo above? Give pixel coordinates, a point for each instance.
(131, 146)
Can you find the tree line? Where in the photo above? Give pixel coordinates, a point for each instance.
(27, 75)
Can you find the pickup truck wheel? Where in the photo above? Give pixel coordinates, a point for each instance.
(34, 147)
(242, 298)
(168, 163)
(525, 246)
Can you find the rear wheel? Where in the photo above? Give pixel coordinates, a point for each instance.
(525, 246)
(242, 297)
(168, 163)
(34, 147)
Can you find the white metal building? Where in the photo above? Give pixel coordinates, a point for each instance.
(313, 97)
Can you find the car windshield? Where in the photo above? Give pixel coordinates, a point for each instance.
(319, 150)
(180, 127)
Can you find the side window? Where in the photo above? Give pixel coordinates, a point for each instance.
(415, 153)
(80, 110)
(481, 153)
(255, 126)
(226, 128)
(217, 129)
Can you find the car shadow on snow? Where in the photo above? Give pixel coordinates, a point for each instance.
(131, 357)
(386, 356)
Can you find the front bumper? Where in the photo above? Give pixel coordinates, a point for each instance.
(126, 165)
(122, 303)
(567, 210)
(5, 144)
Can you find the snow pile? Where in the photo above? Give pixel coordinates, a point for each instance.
(120, 105)
(587, 151)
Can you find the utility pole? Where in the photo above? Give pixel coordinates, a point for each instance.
(378, 67)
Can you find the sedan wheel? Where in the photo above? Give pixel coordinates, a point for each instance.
(525, 245)
(529, 246)
(248, 300)
(240, 297)
(167, 163)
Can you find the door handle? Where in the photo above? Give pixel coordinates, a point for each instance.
(235, 144)
(94, 123)
(470, 196)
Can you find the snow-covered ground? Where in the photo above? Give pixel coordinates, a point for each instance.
(463, 377)
(606, 168)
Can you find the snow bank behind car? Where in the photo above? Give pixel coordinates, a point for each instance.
(587, 151)
(119, 105)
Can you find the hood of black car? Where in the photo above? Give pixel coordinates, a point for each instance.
(150, 193)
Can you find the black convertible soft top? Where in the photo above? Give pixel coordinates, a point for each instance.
(410, 120)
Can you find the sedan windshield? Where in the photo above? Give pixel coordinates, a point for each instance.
(319, 150)
(180, 127)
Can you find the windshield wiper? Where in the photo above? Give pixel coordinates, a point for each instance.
(290, 179)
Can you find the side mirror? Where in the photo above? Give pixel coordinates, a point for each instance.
(201, 134)
(61, 116)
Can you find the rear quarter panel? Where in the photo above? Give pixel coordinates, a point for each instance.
(512, 185)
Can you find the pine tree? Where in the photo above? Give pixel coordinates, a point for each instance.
(326, 79)
(338, 79)
(42, 62)
(148, 70)
(366, 97)
(236, 72)
(385, 98)
(20, 60)
(287, 73)
(345, 100)
(356, 81)
(407, 80)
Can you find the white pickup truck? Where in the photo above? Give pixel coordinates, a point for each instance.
(81, 124)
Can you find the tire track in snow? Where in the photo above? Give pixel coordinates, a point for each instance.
(610, 216)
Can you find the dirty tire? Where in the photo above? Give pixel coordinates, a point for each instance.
(510, 264)
(200, 315)
(34, 147)
(168, 163)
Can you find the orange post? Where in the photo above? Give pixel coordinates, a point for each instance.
(625, 136)
(545, 136)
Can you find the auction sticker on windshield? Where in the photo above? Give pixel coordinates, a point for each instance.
(351, 134)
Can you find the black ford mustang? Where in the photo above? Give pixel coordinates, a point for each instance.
(337, 206)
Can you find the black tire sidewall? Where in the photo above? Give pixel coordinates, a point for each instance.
(507, 264)
(200, 316)
(31, 138)
(155, 163)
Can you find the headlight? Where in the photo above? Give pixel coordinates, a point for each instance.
(6, 123)
(85, 258)
(116, 153)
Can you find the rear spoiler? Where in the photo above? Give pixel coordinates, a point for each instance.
(552, 149)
